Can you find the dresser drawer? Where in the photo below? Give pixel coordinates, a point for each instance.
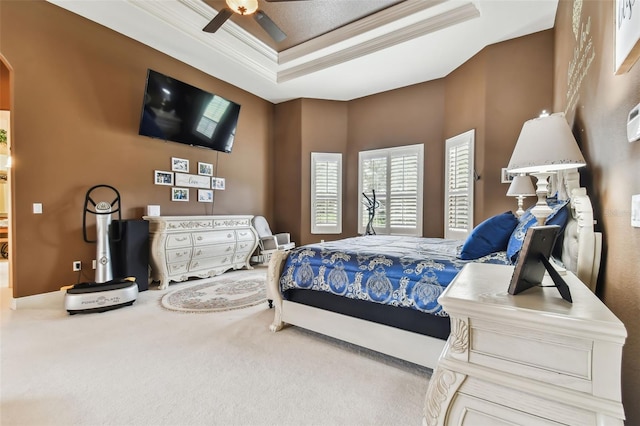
(245, 235)
(212, 251)
(178, 240)
(214, 237)
(471, 411)
(523, 351)
(177, 268)
(244, 247)
(209, 263)
(178, 255)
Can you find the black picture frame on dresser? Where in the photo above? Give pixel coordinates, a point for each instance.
(533, 262)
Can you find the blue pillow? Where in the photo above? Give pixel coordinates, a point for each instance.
(558, 216)
(490, 236)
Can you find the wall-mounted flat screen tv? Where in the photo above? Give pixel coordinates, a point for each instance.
(178, 112)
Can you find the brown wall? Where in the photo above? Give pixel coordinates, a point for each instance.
(407, 116)
(303, 126)
(597, 103)
(466, 94)
(495, 92)
(76, 101)
(488, 93)
(519, 87)
(287, 170)
(324, 129)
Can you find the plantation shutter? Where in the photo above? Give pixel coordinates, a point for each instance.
(396, 175)
(459, 186)
(326, 193)
(373, 174)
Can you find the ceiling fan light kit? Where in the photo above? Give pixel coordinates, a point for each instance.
(243, 7)
(247, 7)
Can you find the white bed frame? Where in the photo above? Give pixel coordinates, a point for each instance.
(581, 255)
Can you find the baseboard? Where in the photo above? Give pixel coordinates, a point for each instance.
(52, 300)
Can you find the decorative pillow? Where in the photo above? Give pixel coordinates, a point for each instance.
(490, 236)
(558, 216)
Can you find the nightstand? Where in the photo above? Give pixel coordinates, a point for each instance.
(532, 358)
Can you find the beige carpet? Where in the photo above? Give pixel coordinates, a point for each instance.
(144, 365)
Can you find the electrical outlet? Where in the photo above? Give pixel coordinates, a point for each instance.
(77, 265)
(93, 264)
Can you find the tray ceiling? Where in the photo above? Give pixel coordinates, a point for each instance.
(335, 49)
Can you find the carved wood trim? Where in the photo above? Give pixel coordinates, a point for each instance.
(459, 337)
(440, 386)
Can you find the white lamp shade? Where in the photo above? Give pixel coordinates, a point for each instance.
(521, 186)
(545, 144)
(243, 7)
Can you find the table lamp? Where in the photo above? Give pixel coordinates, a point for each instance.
(545, 146)
(521, 187)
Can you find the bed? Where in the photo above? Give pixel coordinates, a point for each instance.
(380, 292)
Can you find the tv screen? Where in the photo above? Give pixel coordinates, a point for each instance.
(178, 112)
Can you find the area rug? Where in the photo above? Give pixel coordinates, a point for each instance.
(231, 290)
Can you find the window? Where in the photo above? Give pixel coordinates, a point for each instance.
(326, 193)
(458, 199)
(396, 175)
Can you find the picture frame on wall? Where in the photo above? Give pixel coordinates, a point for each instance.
(179, 194)
(205, 196)
(161, 177)
(218, 183)
(205, 169)
(627, 36)
(179, 165)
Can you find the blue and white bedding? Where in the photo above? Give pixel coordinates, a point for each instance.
(400, 271)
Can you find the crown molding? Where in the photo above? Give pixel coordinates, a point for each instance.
(339, 46)
(418, 29)
(357, 28)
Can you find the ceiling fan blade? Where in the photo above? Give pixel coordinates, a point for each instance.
(218, 20)
(269, 26)
(279, 1)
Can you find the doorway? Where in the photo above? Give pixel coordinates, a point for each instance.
(5, 184)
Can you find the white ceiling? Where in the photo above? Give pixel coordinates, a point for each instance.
(408, 43)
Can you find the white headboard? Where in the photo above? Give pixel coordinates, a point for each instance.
(581, 246)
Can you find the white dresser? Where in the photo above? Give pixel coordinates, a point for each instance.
(198, 246)
(529, 359)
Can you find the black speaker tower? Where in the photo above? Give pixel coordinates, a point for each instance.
(129, 240)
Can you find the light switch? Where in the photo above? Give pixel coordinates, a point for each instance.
(37, 208)
(635, 211)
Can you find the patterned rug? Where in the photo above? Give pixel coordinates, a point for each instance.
(231, 290)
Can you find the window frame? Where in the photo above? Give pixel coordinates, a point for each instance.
(388, 154)
(316, 159)
(467, 138)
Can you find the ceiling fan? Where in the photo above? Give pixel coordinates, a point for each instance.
(247, 7)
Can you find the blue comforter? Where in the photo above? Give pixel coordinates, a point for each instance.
(394, 270)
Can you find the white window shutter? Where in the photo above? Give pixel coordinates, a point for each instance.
(459, 180)
(396, 174)
(326, 193)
